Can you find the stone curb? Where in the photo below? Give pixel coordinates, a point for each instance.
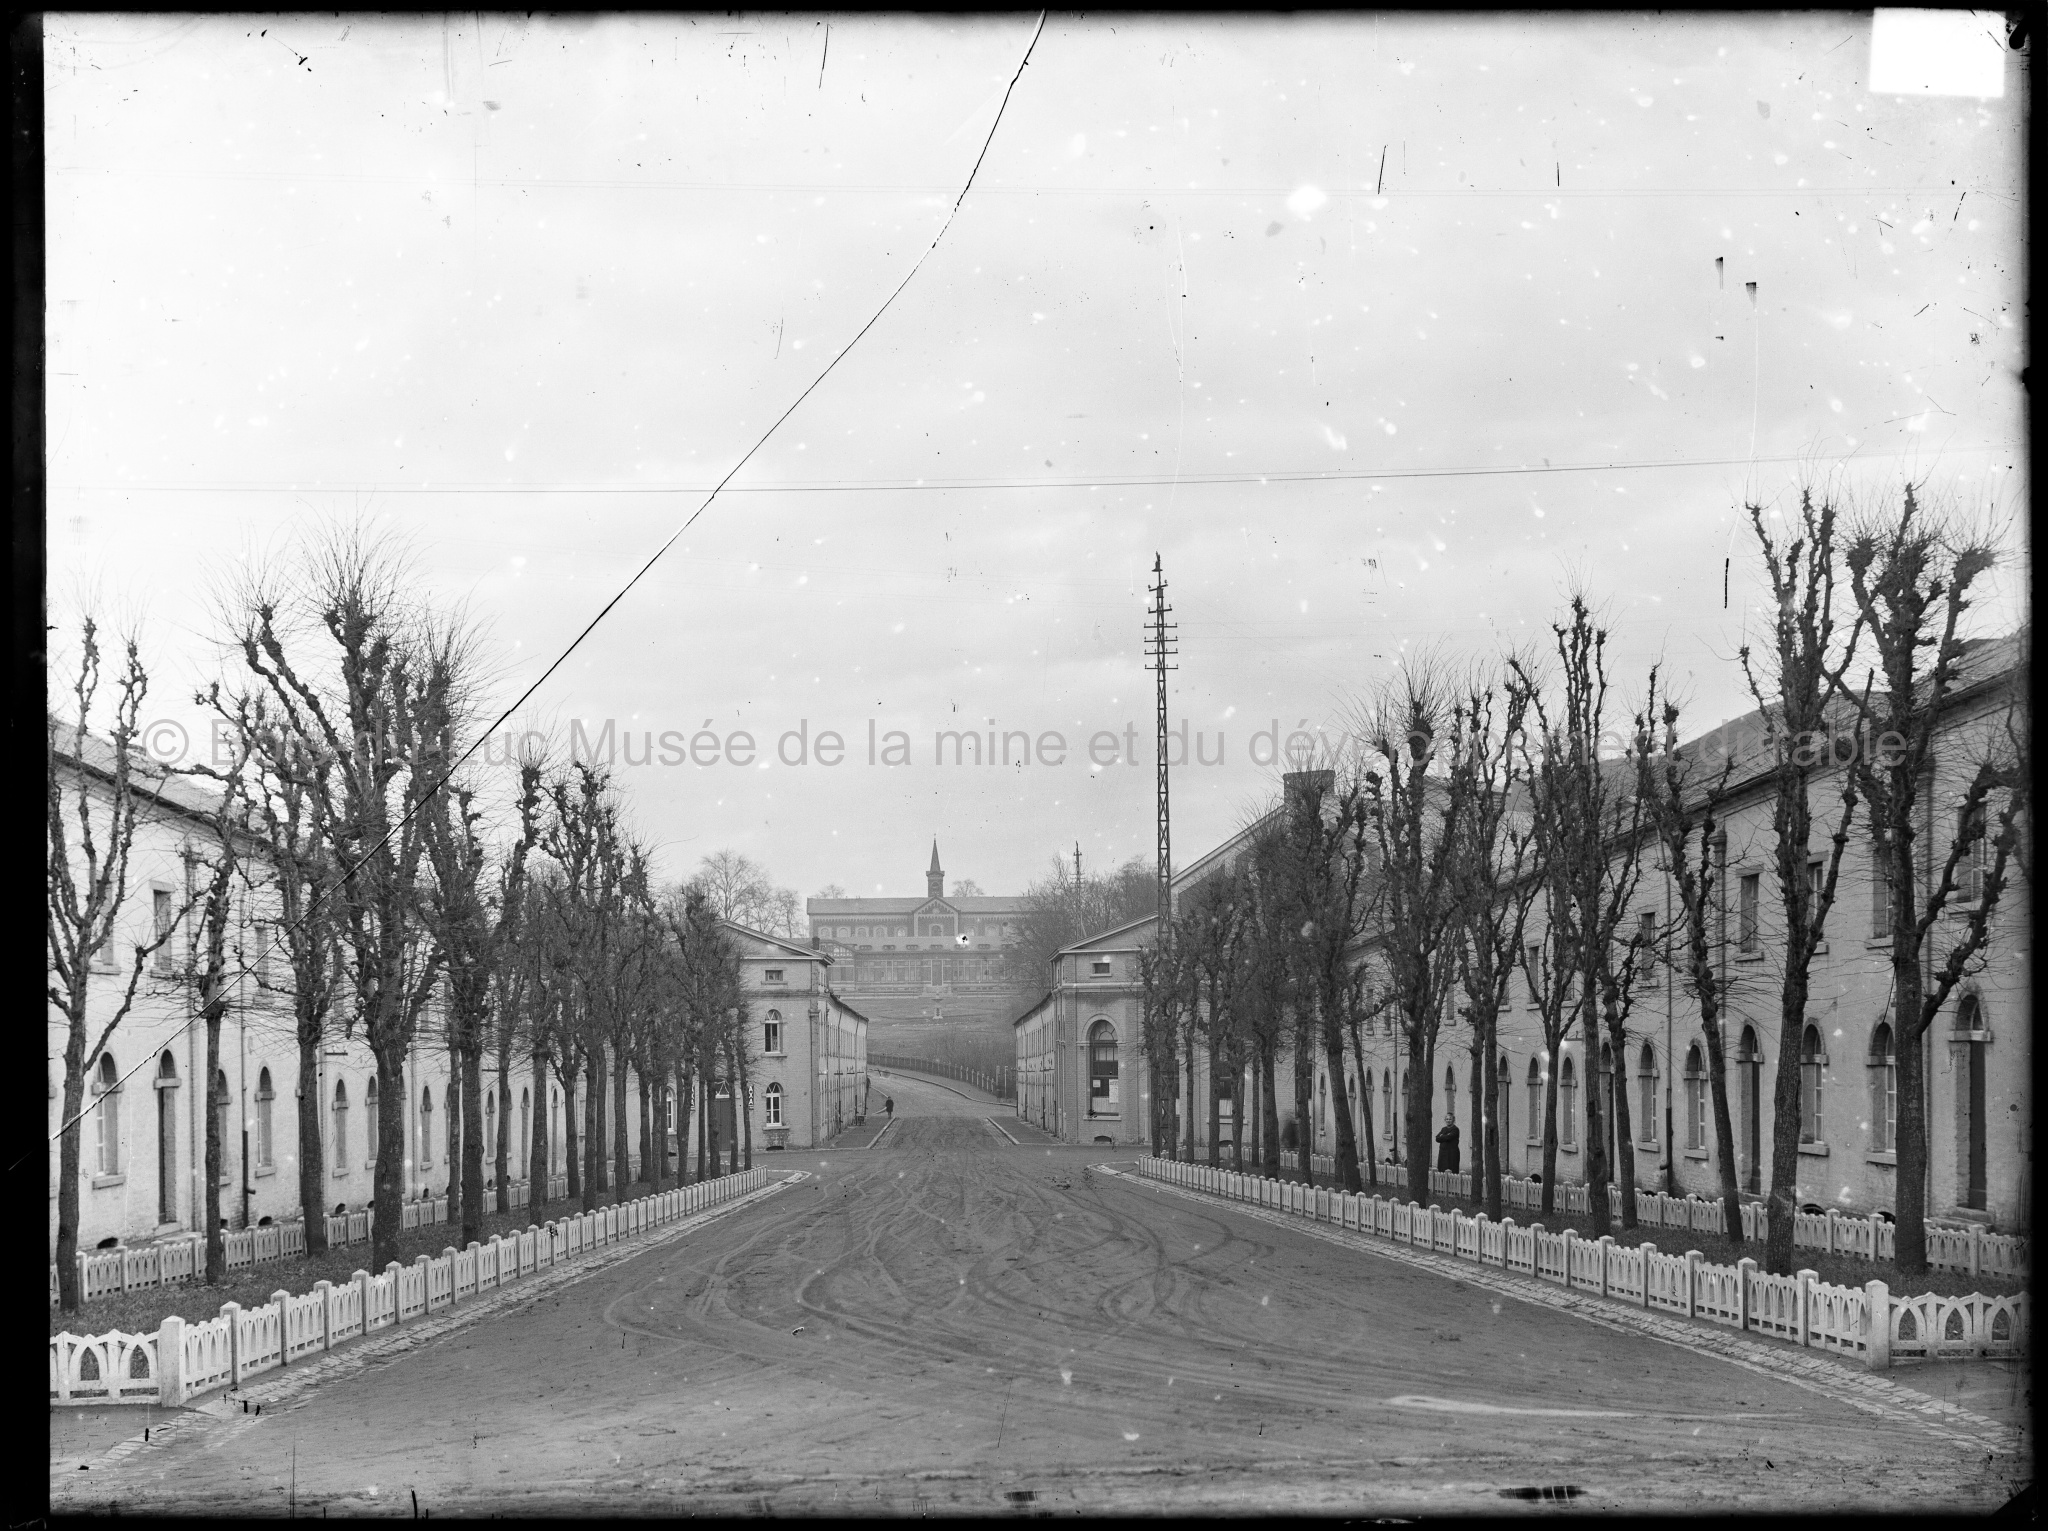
(280, 1389)
(1817, 1372)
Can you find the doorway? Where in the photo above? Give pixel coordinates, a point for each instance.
(1750, 1066)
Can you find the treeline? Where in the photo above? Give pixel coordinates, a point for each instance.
(349, 863)
(1496, 820)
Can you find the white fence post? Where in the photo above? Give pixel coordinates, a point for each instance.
(1744, 1269)
(1806, 1280)
(232, 1312)
(1692, 1282)
(1649, 1249)
(326, 1291)
(170, 1362)
(1877, 1326)
(1606, 1245)
(1569, 1238)
(283, 1302)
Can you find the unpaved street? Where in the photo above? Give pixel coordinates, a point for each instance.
(949, 1322)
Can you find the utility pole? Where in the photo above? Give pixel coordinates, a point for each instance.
(1077, 863)
(1160, 646)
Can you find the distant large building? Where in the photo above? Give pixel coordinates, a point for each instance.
(923, 961)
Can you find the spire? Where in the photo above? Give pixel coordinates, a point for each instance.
(935, 876)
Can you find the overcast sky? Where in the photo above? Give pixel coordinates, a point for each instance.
(1316, 310)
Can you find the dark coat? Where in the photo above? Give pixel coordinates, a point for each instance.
(1447, 1147)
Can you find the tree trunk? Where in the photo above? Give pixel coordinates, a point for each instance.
(388, 1184)
(622, 1142)
(1783, 1201)
(501, 1165)
(1909, 1047)
(538, 1148)
(312, 1162)
(1419, 1091)
(1269, 1111)
(1239, 1099)
(1215, 1112)
(472, 1147)
(1340, 1105)
(1724, 1129)
(707, 1123)
(1304, 1106)
(742, 1103)
(1624, 1130)
(1597, 1209)
(1550, 1130)
(593, 1123)
(1372, 1142)
(1489, 1095)
(453, 1096)
(216, 1246)
(1193, 1116)
(650, 1162)
(68, 1294)
(572, 1158)
(684, 1086)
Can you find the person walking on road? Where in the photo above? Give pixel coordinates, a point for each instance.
(889, 1106)
(1447, 1146)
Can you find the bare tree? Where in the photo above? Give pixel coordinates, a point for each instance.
(1415, 823)
(1802, 667)
(1911, 576)
(347, 674)
(1495, 890)
(739, 889)
(1586, 829)
(1685, 810)
(94, 806)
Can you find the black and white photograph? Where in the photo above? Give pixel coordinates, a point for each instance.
(885, 764)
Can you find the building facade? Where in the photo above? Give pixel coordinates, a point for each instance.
(909, 963)
(808, 1048)
(1978, 1055)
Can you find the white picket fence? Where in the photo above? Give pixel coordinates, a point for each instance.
(166, 1262)
(1964, 1248)
(1800, 1308)
(182, 1360)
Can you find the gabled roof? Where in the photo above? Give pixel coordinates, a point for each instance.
(840, 1000)
(780, 943)
(146, 777)
(1032, 1009)
(1124, 937)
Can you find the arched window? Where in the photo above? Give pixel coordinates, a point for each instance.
(526, 1125)
(1535, 1099)
(1102, 1067)
(491, 1124)
(340, 1127)
(1450, 1093)
(222, 1100)
(1504, 1082)
(1387, 1102)
(370, 1122)
(1646, 1094)
(772, 1102)
(426, 1127)
(1567, 1102)
(107, 1116)
(1811, 1059)
(264, 1096)
(1322, 1104)
(1884, 1091)
(1973, 1101)
(771, 1032)
(1695, 1099)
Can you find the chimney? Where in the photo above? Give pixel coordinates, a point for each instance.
(1305, 790)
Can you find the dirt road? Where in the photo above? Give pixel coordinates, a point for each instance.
(950, 1322)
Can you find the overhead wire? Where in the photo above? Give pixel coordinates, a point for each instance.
(639, 574)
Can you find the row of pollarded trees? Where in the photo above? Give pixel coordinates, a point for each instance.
(406, 889)
(1484, 826)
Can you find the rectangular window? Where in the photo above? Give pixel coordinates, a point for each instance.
(1746, 917)
(771, 1037)
(772, 975)
(1100, 968)
(1880, 894)
(1532, 969)
(260, 958)
(161, 929)
(263, 1131)
(1977, 859)
(1646, 947)
(1695, 1111)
